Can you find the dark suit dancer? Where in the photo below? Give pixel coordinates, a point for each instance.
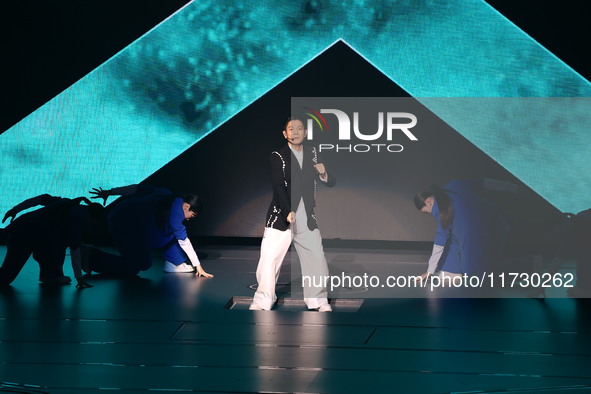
(295, 169)
(46, 233)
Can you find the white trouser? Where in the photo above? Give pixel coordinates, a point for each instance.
(308, 245)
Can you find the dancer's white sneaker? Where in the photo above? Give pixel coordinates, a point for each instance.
(183, 267)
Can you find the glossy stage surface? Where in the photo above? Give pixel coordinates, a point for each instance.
(177, 333)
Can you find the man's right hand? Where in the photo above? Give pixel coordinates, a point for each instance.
(291, 217)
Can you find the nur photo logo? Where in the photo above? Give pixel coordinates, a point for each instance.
(387, 128)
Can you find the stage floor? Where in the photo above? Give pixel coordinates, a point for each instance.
(178, 333)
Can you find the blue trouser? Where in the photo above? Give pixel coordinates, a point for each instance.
(173, 252)
(136, 256)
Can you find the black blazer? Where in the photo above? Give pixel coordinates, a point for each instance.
(290, 183)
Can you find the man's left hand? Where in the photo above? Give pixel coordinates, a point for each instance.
(320, 169)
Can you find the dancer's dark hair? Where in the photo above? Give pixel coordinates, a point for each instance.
(195, 202)
(444, 203)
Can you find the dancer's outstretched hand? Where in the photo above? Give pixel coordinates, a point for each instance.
(201, 272)
(10, 214)
(100, 193)
(425, 277)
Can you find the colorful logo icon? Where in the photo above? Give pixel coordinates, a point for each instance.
(318, 118)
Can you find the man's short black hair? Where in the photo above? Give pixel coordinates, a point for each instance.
(293, 117)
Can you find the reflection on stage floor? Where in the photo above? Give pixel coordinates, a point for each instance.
(179, 333)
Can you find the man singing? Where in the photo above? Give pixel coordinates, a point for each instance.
(295, 169)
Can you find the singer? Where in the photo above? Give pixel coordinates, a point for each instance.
(295, 170)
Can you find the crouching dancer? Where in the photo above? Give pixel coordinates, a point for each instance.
(46, 233)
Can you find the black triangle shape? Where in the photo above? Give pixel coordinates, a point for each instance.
(229, 167)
